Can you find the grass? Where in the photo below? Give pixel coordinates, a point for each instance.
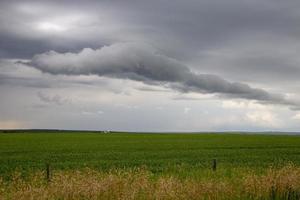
(137, 183)
(161, 153)
(93, 165)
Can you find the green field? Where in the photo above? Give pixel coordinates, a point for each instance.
(158, 152)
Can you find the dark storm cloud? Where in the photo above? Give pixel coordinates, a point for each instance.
(141, 62)
(184, 30)
(16, 74)
(15, 47)
(181, 28)
(230, 49)
(25, 28)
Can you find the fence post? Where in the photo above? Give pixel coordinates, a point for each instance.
(214, 164)
(48, 172)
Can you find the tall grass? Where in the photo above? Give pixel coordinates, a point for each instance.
(282, 183)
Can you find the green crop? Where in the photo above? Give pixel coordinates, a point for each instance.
(174, 153)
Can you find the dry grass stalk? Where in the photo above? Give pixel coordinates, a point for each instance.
(90, 184)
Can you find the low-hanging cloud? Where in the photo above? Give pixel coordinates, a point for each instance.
(141, 62)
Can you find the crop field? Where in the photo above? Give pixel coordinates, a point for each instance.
(67, 150)
(107, 164)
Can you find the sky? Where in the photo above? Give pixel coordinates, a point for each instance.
(139, 65)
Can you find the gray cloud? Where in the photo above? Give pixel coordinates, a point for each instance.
(152, 89)
(183, 98)
(141, 62)
(189, 26)
(265, 59)
(53, 99)
(229, 49)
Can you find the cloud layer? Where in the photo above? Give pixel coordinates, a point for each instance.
(141, 62)
(150, 65)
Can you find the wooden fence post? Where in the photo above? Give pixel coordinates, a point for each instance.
(48, 172)
(214, 164)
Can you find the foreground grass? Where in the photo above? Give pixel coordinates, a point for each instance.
(139, 183)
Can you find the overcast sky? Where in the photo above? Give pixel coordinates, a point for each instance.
(139, 65)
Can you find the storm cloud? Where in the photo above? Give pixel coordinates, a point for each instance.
(182, 65)
(141, 62)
